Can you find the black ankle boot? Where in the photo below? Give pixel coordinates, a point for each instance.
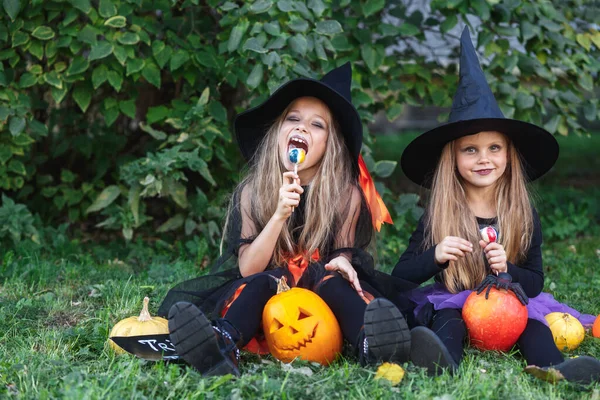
(210, 348)
(428, 351)
(385, 335)
(583, 370)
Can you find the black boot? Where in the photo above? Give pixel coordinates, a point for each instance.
(210, 348)
(428, 351)
(385, 335)
(584, 370)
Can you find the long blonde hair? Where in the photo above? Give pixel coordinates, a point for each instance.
(325, 207)
(449, 215)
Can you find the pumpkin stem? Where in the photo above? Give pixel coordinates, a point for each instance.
(282, 285)
(145, 314)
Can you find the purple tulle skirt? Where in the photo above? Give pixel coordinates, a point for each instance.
(537, 308)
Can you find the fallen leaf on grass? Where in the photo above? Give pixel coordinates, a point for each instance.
(302, 370)
(391, 372)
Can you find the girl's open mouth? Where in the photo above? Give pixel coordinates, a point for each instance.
(298, 142)
(484, 171)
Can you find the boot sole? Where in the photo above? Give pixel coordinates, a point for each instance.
(583, 369)
(386, 331)
(428, 351)
(194, 339)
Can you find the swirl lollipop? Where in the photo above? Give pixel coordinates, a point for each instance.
(489, 234)
(296, 156)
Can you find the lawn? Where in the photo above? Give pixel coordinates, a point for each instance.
(58, 306)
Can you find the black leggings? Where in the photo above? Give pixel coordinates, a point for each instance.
(245, 313)
(535, 343)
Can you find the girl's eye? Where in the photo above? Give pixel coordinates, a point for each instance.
(495, 147)
(318, 125)
(292, 118)
(470, 150)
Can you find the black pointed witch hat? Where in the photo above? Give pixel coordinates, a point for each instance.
(474, 110)
(333, 89)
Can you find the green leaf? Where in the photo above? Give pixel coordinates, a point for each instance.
(43, 33)
(104, 199)
(83, 5)
(552, 125)
(261, 6)
(128, 108)
(449, 23)
(77, 66)
(372, 57)
(100, 50)
(298, 44)
(135, 65)
(524, 101)
(482, 9)
(156, 134)
(298, 24)
(163, 56)
(5, 154)
(407, 29)
(27, 80)
(254, 45)
(156, 114)
(133, 200)
(115, 79)
(120, 54)
(82, 94)
(16, 125)
(317, 7)
(178, 193)
(107, 9)
(58, 94)
(329, 27)
(36, 49)
(4, 112)
(372, 6)
(584, 40)
(586, 82)
(53, 79)
(129, 38)
(12, 8)
(117, 21)
(19, 38)
(203, 100)
(38, 128)
(235, 38)
(99, 76)
(385, 168)
(179, 58)
(590, 111)
(110, 115)
(23, 140)
(17, 167)
(272, 28)
(394, 112)
(172, 224)
(217, 111)
(255, 76)
(152, 74)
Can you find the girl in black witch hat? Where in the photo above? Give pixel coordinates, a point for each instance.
(312, 227)
(477, 167)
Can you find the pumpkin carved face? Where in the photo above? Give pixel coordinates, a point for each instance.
(298, 323)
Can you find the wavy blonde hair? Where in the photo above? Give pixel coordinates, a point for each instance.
(324, 212)
(449, 215)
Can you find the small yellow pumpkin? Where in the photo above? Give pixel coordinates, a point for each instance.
(145, 324)
(567, 331)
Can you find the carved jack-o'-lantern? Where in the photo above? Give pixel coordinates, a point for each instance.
(298, 323)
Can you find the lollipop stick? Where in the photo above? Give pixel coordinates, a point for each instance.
(295, 173)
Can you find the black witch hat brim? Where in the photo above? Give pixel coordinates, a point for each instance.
(537, 147)
(251, 125)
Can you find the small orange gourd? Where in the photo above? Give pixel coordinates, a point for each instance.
(596, 327)
(298, 323)
(145, 324)
(567, 331)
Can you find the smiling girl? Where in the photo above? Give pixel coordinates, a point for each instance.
(319, 246)
(477, 167)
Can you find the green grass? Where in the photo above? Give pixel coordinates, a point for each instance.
(56, 314)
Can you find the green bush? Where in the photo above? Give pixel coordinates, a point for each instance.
(113, 111)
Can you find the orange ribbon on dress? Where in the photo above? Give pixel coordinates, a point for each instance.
(379, 211)
(298, 264)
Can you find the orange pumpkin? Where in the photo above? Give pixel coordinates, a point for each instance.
(298, 323)
(596, 327)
